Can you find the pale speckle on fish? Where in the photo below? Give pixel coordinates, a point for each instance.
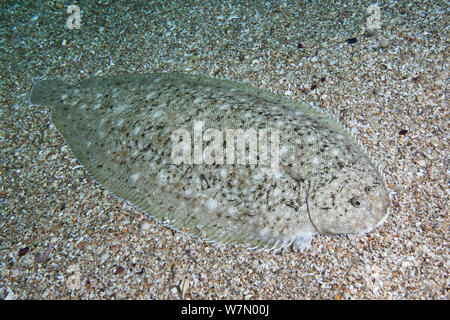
(120, 127)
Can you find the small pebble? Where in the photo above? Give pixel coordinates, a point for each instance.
(145, 226)
(119, 270)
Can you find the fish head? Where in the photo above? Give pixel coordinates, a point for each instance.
(352, 201)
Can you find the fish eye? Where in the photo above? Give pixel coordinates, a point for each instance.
(368, 189)
(355, 202)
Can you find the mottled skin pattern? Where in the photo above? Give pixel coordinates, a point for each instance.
(120, 130)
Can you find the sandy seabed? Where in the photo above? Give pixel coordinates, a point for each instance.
(63, 236)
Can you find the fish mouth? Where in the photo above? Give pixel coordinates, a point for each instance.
(374, 221)
(378, 212)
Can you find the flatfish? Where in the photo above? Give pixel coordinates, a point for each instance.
(217, 159)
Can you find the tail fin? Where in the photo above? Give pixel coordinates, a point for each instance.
(47, 92)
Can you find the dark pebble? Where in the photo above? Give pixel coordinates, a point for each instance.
(351, 40)
(403, 132)
(120, 270)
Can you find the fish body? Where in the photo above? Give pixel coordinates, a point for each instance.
(217, 159)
